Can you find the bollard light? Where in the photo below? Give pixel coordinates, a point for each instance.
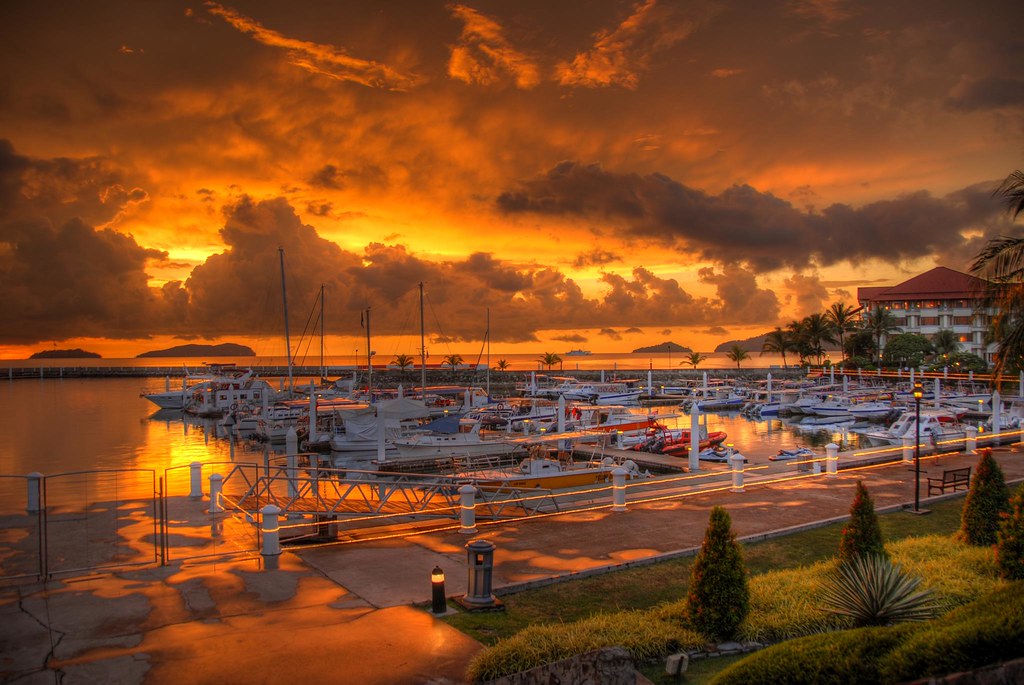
(439, 605)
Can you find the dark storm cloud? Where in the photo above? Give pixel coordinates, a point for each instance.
(744, 225)
(596, 257)
(59, 276)
(987, 93)
(570, 338)
(610, 333)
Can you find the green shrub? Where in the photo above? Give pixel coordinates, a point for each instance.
(719, 598)
(957, 572)
(787, 604)
(872, 591)
(641, 633)
(986, 500)
(984, 632)
(849, 657)
(1010, 540)
(862, 535)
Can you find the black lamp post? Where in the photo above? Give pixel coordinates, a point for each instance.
(917, 447)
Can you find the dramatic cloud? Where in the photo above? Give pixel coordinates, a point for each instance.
(808, 292)
(743, 225)
(620, 55)
(325, 60)
(483, 55)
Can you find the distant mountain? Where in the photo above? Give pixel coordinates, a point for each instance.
(750, 344)
(663, 347)
(222, 350)
(65, 354)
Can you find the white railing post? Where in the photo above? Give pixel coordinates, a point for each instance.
(34, 480)
(467, 507)
(908, 449)
(271, 531)
(737, 460)
(972, 440)
(293, 469)
(216, 483)
(619, 489)
(196, 477)
(832, 459)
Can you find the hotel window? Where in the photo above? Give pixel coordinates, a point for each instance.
(929, 321)
(961, 321)
(901, 322)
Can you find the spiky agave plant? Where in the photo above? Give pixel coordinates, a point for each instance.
(873, 591)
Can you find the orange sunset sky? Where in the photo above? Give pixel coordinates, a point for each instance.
(598, 174)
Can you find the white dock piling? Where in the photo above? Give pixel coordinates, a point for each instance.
(196, 480)
(312, 414)
(34, 481)
(832, 459)
(467, 506)
(937, 393)
(650, 384)
(736, 460)
(971, 446)
(694, 438)
(216, 483)
(291, 441)
(270, 531)
(997, 414)
(619, 489)
(561, 413)
(908, 449)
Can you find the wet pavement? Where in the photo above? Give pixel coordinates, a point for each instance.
(342, 613)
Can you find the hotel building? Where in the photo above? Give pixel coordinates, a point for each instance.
(937, 299)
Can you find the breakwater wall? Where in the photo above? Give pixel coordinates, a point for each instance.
(392, 377)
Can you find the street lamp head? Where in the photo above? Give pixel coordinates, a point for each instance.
(918, 393)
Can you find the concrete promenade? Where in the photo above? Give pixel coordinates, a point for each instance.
(342, 613)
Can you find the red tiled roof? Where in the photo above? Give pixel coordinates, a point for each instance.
(939, 283)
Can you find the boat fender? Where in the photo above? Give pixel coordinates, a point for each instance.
(607, 461)
(234, 407)
(501, 405)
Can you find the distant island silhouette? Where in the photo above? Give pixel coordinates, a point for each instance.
(663, 347)
(65, 354)
(222, 350)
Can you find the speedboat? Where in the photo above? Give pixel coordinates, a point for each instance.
(795, 453)
(935, 424)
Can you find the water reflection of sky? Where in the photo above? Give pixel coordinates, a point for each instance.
(60, 426)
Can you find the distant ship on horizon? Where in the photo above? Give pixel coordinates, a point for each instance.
(577, 353)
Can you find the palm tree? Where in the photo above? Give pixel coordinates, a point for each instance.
(694, 359)
(737, 354)
(818, 330)
(502, 365)
(881, 323)
(777, 342)
(1001, 263)
(452, 360)
(549, 359)
(843, 319)
(945, 342)
(1011, 191)
(403, 362)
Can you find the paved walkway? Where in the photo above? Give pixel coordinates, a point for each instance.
(342, 614)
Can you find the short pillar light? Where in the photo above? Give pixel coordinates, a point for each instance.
(438, 604)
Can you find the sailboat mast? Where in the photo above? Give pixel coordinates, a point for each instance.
(488, 352)
(423, 352)
(287, 338)
(323, 369)
(369, 359)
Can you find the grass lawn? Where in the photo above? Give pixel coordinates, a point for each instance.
(648, 586)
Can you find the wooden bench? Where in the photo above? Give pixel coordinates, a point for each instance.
(953, 479)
